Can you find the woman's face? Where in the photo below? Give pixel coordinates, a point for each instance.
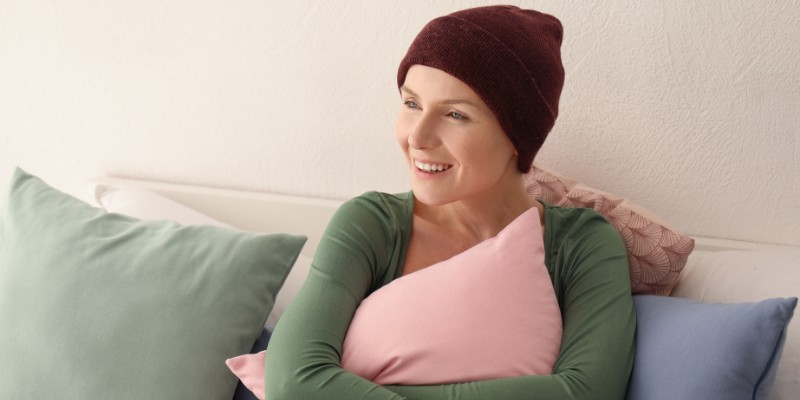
(453, 143)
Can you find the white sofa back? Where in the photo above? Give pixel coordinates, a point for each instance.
(748, 276)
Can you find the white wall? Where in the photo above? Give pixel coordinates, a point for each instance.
(691, 108)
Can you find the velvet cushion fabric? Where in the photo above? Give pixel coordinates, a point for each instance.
(97, 305)
(750, 276)
(144, 204)
(691, 350)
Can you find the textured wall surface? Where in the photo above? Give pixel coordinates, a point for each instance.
(691, 108)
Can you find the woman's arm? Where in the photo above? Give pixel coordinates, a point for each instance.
(304, 357)
(597, 349)
(591, 272)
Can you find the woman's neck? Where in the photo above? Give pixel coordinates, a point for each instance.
(483, 215)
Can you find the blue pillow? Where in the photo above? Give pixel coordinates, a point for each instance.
(691, 350)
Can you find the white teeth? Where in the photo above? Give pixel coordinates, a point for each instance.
(431, 167)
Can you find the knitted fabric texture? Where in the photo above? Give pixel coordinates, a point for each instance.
(510, 57)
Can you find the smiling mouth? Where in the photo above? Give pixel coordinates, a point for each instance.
(431, 168)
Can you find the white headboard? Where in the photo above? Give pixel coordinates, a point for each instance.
(250, 211)
(269, 212)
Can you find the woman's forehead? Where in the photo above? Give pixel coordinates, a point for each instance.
(434, 85)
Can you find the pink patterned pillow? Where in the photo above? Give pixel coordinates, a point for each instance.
(489, 312)
(656, 252)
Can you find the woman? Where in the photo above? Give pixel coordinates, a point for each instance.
(479, 90)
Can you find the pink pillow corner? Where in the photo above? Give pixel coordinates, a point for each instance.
(249, 368)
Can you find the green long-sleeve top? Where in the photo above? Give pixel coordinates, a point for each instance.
(364, 248)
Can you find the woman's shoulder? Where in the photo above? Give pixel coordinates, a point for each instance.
(396, 207)
(391, 200)
(576, 223)
(383, 217)
(375, 225)
(571, 214)
(581, 239)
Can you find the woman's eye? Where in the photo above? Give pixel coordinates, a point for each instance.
(456, 115)
(410, 104)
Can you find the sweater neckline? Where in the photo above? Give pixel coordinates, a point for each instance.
(408, 226)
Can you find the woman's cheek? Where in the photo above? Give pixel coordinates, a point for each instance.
(401, 130)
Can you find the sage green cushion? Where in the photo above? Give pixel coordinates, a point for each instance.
(103, 306)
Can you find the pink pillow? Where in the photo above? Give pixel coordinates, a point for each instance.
(656, 252)
(489, 312)
(250, 370)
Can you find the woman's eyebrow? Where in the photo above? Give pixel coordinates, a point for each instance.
(448, 101)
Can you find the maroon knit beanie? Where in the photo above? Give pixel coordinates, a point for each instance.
(510, 57)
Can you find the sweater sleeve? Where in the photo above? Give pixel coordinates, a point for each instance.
(589, 268)
(304, 357)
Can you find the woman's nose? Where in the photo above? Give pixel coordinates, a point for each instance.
(422, 134)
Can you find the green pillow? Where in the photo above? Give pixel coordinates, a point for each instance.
(103, 306)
